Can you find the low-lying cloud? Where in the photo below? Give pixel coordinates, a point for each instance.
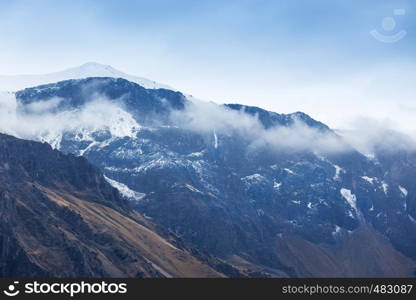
(45, 106)
(370, 136)
(366, 135)
(39, 121)
(206, 117)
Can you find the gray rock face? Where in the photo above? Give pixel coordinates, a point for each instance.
(60, 218)
(217, 192)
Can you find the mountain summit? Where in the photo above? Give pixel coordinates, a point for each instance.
(90, 69)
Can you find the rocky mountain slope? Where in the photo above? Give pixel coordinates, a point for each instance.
(280, 194)
(59, 217)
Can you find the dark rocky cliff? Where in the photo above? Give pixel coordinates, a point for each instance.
(59, 217)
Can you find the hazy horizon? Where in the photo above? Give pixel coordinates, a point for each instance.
(286, 56)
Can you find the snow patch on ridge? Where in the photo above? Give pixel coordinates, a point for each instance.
(193, 189)
(385, 187)
(277, 185)
(255, 178)
(125, 190)
(403, 191)
(289, 171)
(338, 171)
(350, 197)
(215, 140)
(369, 179)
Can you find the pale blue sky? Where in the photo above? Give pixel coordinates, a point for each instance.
(316, 56)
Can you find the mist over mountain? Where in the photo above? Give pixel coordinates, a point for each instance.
(279, 194)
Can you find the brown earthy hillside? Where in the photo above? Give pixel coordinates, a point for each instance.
(59, 217)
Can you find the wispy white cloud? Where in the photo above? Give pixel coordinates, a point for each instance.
(206, 118)
(40, 121)
(369, 136)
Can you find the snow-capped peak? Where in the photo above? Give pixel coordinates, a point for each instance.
(90, 69)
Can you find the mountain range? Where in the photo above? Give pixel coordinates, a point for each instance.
(60, 218)
(90, 69)
(248, 191)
